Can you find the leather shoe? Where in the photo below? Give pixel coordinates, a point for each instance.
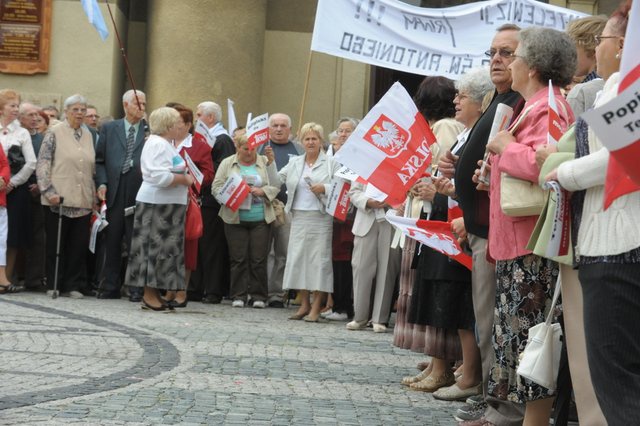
(214, 300)
(135, 297)
(109, 295)
(276, 304)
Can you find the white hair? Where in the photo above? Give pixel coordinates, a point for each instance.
(476, 83)
(130, 95)
(211, 108)
(75, 99)
(273, 116)
(24, 106)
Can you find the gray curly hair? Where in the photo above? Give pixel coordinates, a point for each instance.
(475, 83)
(550, 52)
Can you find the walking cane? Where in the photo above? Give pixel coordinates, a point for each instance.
(54, 293)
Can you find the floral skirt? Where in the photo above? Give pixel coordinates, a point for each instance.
(157, 247)
(524, 292)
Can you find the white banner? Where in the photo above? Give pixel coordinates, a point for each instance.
(447, 41)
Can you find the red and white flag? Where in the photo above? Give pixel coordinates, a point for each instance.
(431, 233)
(391, 147)
(454, 211)
(234, 191)
(555, 129)
(257, 131)
(202, 130)
(617, 123)
(338, 199)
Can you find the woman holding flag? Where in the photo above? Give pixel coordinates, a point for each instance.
(525, 281)
(309, 268)
(247, 227)
(608, 241)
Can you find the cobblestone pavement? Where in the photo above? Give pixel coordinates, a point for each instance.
(90, 361)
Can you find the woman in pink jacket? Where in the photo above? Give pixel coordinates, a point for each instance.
(525, 282)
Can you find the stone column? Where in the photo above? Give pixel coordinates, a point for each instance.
(202, 50)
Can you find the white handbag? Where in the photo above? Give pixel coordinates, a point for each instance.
(540, 360)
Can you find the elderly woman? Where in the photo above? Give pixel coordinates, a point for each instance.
(65, 171)
(442, 295)
(196, 148)
(525, 282)
(607, 249)
(247, 229)
(308, 267)
(16, 144)
(156, 260)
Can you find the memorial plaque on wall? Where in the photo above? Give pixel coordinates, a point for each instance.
(25, 35)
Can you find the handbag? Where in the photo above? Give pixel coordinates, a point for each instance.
(519, 197)
(193, 221)
(15, 158)
(278, 209)
(540, 360)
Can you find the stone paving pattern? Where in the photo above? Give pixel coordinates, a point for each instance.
(90, 361)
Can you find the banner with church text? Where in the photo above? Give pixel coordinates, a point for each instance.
(446, 41)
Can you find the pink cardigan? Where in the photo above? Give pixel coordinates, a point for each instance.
(508, 236)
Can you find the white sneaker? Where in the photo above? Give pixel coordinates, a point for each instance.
(258, 304)
(238, 304)
(73, 294)
(379, 328)
(336, 316)
(355, 325)
(326, 313)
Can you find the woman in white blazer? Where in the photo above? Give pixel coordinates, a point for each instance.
(308, 267)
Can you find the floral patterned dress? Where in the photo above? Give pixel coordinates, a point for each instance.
(524, 291)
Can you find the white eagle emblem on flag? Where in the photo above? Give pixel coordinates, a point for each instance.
(387, 136)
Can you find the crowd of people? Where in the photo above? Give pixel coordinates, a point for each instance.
(59, 174)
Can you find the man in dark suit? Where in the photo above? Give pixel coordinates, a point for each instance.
(118, 178)
(211, 277)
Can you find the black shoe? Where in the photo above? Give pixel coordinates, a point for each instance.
(174, 304)
(214, 300)
(276, 304)
(109, 295)
(135, 297)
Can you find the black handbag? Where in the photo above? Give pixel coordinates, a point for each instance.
(15, 158)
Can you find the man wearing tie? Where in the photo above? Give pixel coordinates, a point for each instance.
(118, 178)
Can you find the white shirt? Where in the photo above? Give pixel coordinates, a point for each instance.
(304, 199)
(159, 162)
(14, 134)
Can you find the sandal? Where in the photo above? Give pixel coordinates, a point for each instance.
(6, 289)
(408, 380)
(431, 383)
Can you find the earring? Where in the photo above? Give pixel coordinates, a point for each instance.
(618, 55)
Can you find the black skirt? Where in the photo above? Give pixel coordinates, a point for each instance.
(19, 214)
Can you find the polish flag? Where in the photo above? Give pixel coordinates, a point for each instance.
(454, 211)
(234, 191)
(391, 147)
(617, 123)
(555, 129)
(338, 201)
(258, 131)
(432, 233)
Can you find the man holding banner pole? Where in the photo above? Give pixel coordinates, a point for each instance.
(475, 207)
(283, 149)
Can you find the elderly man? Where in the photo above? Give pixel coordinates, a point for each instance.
(118, 178)
(34, 271)
(283, 150)
(212, 274)
(475, 206)
(92, 117)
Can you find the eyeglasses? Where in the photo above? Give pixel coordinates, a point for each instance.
(599, 38)
(504, 53)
